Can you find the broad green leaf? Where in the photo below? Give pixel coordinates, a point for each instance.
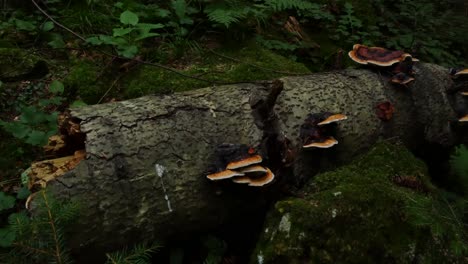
(78, 103)
(94, 40)
(47, 26)
(24, 25)
(6, 201)
(147, 35)
(23, 193)
(16, 129)
(118, 32)
(56, 87)
(1, 84)
(57, 41)
(118, 5)
(7, 236)
(37, 138)
(129, 18)
(128, 52)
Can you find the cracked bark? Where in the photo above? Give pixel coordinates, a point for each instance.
(122, 194)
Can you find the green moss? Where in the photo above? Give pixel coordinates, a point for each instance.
(356, 214)
(149, 79)
(16, 62)
(82, 80)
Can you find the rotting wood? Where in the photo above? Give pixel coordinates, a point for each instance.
(144, 176)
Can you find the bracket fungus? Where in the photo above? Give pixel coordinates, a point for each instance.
(316, 131)
(241, 163)
(401, 62)
(463, 118)
(377, 55)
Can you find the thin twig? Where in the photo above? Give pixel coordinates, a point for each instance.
(33, 249)
(57, 23)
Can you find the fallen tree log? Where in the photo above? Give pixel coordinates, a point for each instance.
(144, 175)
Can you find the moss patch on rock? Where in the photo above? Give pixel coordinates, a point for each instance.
(151, 80)
(361, 213)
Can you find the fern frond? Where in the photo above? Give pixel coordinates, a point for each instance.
(281, 5)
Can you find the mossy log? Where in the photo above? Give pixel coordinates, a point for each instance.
(144, 176)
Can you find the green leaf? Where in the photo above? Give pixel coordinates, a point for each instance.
(77, 103)
(1, 84)
(56, 87)
(129, 18)
(6, 201)
(25, 176)
(16, 129)
(37, 138)
(94, 40)
(118, 5)
(23, 193)
(129, 51)
(118, 32)
(57, 41)
(7, 236)
(47, 26)
(24, 25)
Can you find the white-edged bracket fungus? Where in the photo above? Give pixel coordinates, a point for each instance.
(332, 118)
(463, 118)
(376, 55)
(262, 180)
(327, 143)
(240, 163)
(317, 130)
(461, 72)
(401, 78)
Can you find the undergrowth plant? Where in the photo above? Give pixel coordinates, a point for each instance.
(41, 237)
(38, 120)
(127, 36)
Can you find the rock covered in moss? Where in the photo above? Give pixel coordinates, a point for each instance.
(360, 213)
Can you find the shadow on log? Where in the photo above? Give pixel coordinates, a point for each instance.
(144, 176)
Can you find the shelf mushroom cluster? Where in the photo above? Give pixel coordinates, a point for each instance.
(461, 76)
(401, 63)
(316, 131)
(241, 164)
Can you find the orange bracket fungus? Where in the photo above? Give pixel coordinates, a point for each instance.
(241, 163)
(316, 130)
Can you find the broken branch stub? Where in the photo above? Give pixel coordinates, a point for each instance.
(144, 176)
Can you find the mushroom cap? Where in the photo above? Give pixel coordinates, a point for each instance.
(265, 179)
(253, 168)
(326, 143)
(241, 179)
(225, 174)
(463, 118)
(244, 162)
(464, 93)
(461, 72)
(401, 78)
(376, 55)
(332, 118)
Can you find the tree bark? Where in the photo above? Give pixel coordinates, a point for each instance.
(144, 176)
